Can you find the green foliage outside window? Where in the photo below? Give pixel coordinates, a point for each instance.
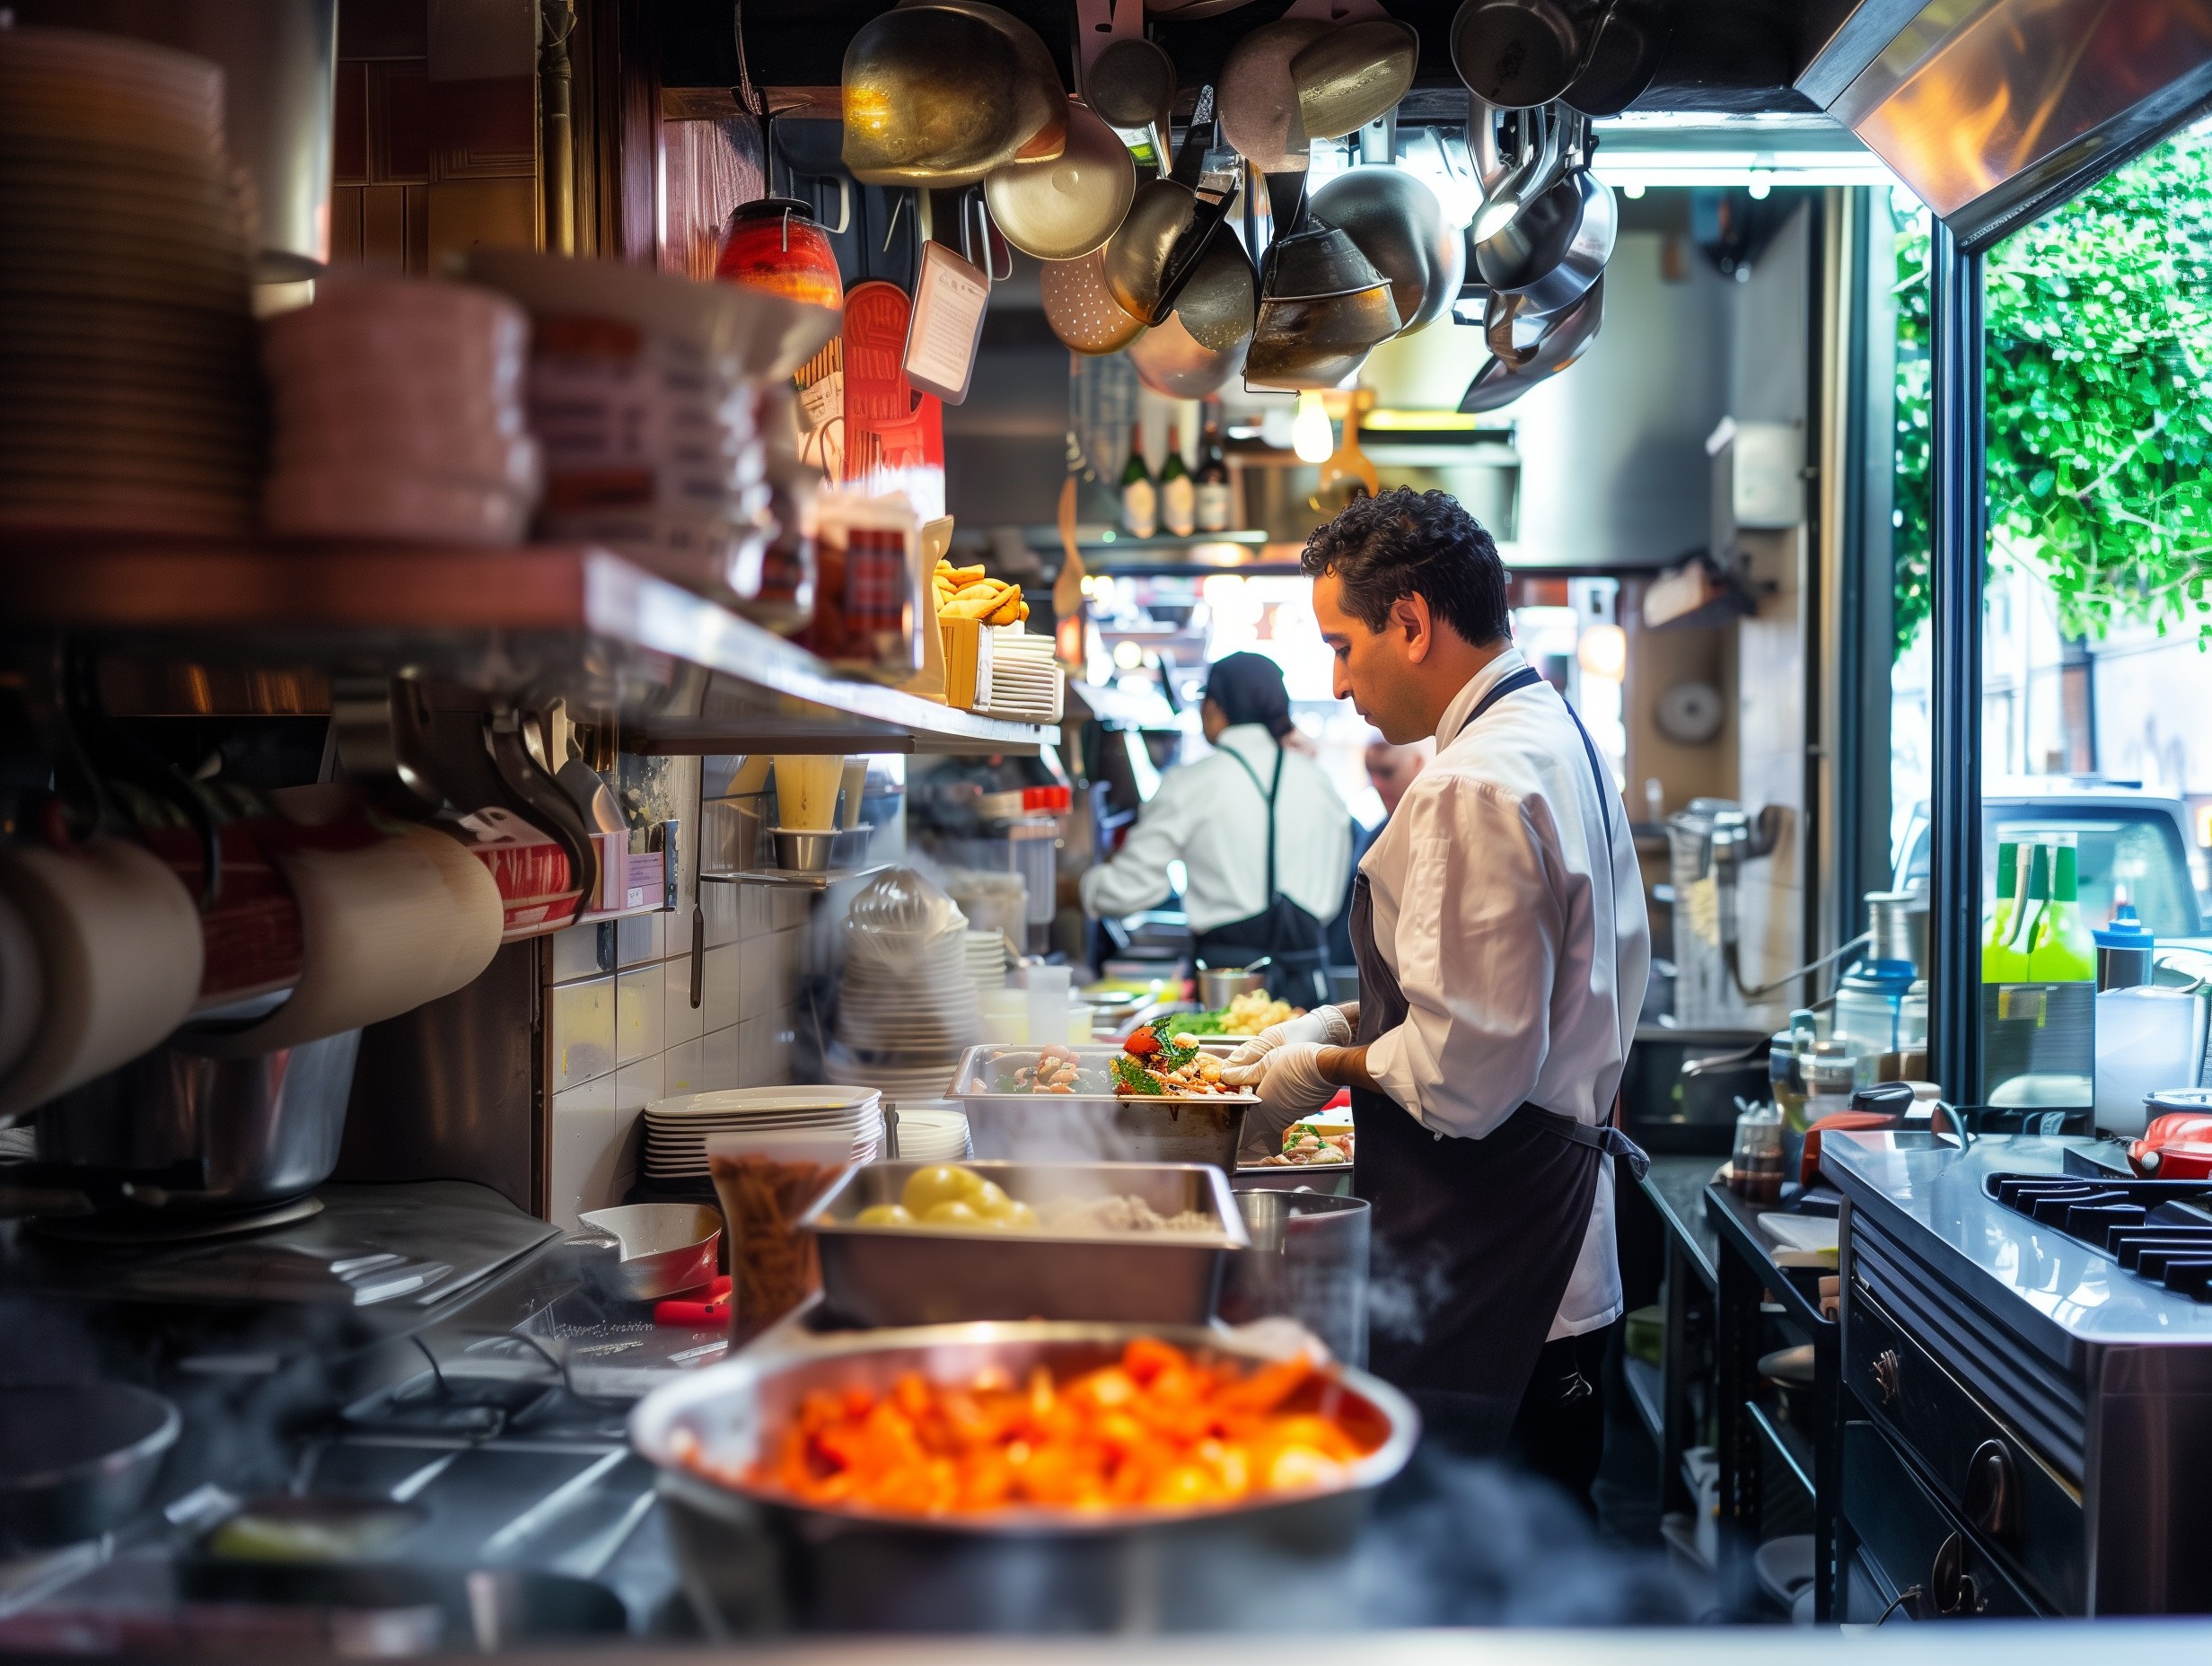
(2098, 399)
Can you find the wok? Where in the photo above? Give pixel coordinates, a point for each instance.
(940, 94)
(76, 1461)
(1167, 230)
(1354, 74)
(1399, 226)
(752, 1561)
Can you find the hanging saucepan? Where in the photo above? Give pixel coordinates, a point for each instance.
(1516, 53)
(1323, 308)
(1167, 228)
(1175, 364)
(1129, 81)
(1399, 226)
(1554, 248)
(1060, 209)
(1622, 56)
(1354, 74)
(1564, 339)
(1517, 155)
(940, 94)
(1082, 310)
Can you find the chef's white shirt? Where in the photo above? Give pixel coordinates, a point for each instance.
(1519, 940)
(1208, 816)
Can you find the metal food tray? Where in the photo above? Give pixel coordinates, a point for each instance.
(878, 1275)
(1077, 1128)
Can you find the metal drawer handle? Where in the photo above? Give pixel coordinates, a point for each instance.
(1886, 1364)
(1951, 1592)
(1992, 1488)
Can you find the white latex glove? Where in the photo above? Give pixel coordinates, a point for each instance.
(1290, 1085)
(1324, 1024)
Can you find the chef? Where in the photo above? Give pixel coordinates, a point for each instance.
(1263, 836)
(1498, 925)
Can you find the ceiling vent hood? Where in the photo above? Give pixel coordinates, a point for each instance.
(1993, 111)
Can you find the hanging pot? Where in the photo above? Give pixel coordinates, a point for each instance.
(1167, 228)
(1564, 340)
(1353, 76)
(776, 244)
(1175, 364)
(1516, 53)
(1218, 304)
(1623, 54)
(1399, 226)
(1554, 248)
(1258, 98)
(1062, 209)
(1323, 308)
(1080, 306)
(940, 94)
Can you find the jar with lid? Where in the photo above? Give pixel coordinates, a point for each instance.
(1868, 1003)
(1755, 1165)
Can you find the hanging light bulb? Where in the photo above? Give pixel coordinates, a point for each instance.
(1311, 436)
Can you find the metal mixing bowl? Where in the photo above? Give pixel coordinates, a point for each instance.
(753, 1563)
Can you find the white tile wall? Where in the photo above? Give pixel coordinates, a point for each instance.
(624, 1031)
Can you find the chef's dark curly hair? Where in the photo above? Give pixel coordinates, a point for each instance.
(1401, 543)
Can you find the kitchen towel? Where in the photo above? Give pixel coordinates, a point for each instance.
(388, 927)
(118, 954)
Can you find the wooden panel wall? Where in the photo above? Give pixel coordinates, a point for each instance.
(710, 167)
(438, 131)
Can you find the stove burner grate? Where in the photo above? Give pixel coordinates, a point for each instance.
(2158, 1229)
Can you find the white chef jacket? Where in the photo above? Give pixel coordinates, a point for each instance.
(1519, 940)
(1208, 816)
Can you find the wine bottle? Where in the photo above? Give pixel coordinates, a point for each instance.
(1140, 499)
(2063, 951)
(1212, 477)
(1178, 495)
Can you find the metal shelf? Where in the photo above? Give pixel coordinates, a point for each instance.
(793, 879)
(546, 617)
(1788, 1444)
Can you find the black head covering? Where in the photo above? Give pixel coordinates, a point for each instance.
(1249, 689)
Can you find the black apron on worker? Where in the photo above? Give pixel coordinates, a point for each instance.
(1293, 943)
(1477, 1238)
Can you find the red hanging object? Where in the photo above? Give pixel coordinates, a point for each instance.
(775, 244)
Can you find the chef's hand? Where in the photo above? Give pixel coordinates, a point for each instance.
(1324, 1024)
(1290, 1085)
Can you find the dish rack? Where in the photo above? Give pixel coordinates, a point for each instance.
(1002, 671)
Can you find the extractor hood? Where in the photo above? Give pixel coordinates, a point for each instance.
(1993, 111)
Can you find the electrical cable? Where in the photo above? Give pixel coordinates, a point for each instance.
(1729, 955)
(1899, 1600)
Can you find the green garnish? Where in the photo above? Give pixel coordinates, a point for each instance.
(1132, 1076)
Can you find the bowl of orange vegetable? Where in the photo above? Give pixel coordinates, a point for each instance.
(1020, 1477)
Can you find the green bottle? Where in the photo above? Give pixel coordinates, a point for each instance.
(2063, 950)
(2007, 876)
(2006, 961)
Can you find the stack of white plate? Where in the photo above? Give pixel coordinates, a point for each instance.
(1019, 678)
(901, 1080)
(128, 396)
(399, 413)
(986, 959)
(932, 1134)
(677, 1129)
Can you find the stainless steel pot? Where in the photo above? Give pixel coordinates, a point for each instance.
(1307, 1261)
(1399, 226)
(1554, 248)
(77, 1460)
(174, 1131)
(754, 1563)
(1220, 984)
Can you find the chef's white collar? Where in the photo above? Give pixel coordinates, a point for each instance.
(1465, 701)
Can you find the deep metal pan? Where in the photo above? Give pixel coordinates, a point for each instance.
(1095, 1126)
(77, 1460)
(752, 1561)
(938, 1276)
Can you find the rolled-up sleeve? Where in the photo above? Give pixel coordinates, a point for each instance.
(1137, 878)
(1477, 940)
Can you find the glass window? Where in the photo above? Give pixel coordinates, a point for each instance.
(2097, 682)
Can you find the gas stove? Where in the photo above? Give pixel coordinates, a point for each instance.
(2161, 1231)
(2027, 1352)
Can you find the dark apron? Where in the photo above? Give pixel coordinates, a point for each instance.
(1478, 1237)
(1293, 943)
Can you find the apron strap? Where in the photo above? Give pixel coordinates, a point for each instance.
(1267, 793)
(1607, 1139)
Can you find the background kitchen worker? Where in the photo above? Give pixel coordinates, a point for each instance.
(1263, 835)
(1499, 928)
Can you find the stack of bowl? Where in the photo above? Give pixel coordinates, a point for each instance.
(399, 413)
(128, 400)
(907, 1005)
